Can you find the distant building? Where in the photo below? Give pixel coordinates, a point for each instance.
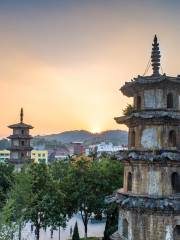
(39, 156)
(78, 148)
(58, 154)
(20, 149)
(4, 156)
(103, 148)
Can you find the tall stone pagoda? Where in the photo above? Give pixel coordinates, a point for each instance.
(20, 149)
(149, 203)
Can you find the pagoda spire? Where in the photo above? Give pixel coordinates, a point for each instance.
(155, 57)
(21, 115)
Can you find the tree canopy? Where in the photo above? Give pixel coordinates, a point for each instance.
(88, 183)
(47, 195)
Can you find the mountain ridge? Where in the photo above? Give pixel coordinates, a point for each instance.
(114, 136)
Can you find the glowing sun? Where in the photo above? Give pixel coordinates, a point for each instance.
(95, 130)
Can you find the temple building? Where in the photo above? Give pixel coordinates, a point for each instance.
(20, 149)
(149, 202)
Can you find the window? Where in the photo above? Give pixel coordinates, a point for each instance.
(177, 232)
(172, 138)
(125, 228)
(22, 155)
(170, 100)
(138, 103)
(22, 131)
(133, 136)
(175, 182)
(129, 182)
(22, 143)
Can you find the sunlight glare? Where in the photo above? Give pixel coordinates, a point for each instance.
(95, 130)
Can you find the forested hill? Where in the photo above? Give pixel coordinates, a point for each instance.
(114, 136)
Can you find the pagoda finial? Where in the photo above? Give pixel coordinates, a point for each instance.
(155, 57)
(21, 115)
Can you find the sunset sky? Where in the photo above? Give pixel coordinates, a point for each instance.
(64, 61)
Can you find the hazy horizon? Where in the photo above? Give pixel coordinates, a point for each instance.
(64, 61)
(73, 130)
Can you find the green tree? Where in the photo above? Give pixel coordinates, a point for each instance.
(15, 204)
(39, 207)
(75, 235)
(87, 184)
(128, 110)
(37, 198)
(7, 228)
(6, 182)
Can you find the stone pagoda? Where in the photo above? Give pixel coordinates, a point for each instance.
(149, 203)
(20, 149)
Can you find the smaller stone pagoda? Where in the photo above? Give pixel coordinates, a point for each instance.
(20, 149)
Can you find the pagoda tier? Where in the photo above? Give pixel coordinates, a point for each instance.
(148, 217)
(152, 129)
(137, 84)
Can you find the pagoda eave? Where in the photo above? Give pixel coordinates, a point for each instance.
(157, 117)
(20, 125)
(146, 203)
(166, 156)
(141, 82)
(20, 137)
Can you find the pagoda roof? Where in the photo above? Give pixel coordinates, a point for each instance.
(152, 115)
(139, 82)
(156, 80)
(20, 125)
